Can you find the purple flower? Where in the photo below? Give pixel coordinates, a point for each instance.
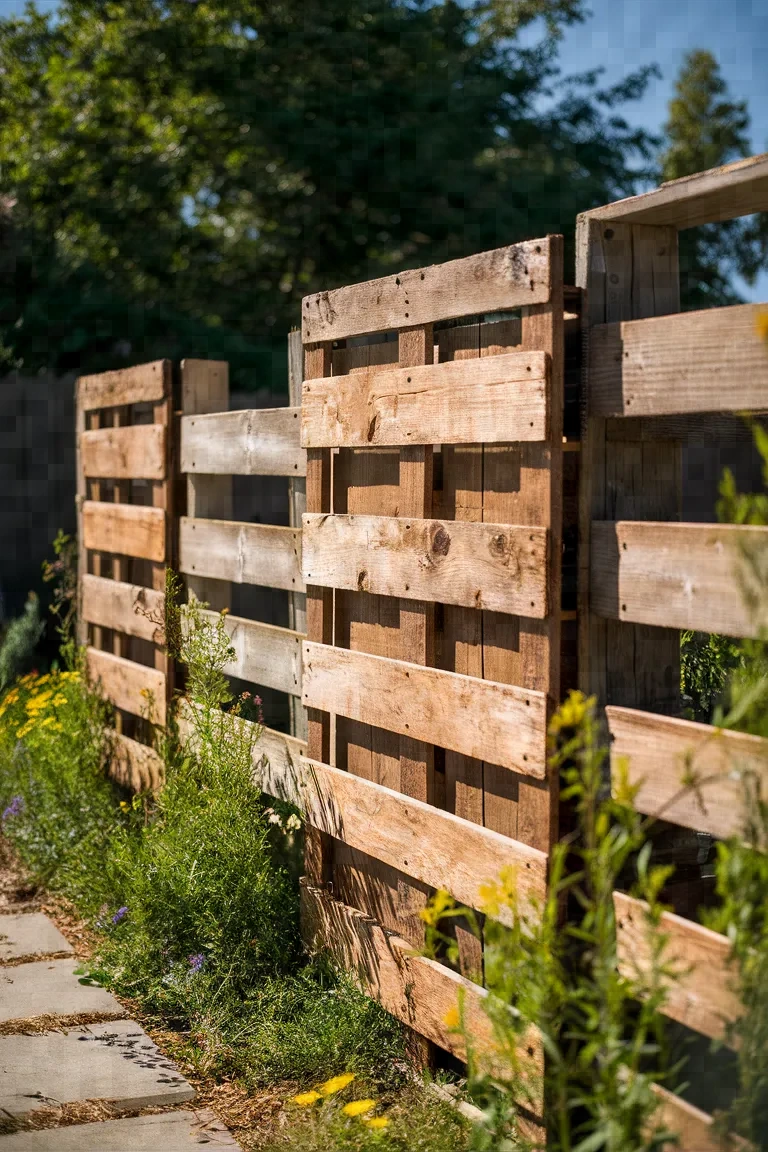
(196, 962)
(14, 808)
(121, 912)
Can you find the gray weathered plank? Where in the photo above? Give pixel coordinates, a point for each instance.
(265, 654)
(243, 553)
(249, 442)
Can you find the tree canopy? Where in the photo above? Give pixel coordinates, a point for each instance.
(176, 174)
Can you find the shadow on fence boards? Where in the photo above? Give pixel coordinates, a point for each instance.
(479, 503)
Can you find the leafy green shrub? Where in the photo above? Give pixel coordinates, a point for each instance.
(17, 648)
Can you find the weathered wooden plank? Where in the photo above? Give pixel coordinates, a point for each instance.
(249, 442)
(489, 282)
(262, 554)
(265, 654)
(708, 361)
(134, 765)
(418, 991)
(494, 566)
(133, 453)
(676, 575)
(127, 608)
(492, 399)
(499, 723)
(695, 1129)
(143, 384)
(421, 841)
(132, 687)
(737, 189)
(659, 751)
(125, 529)
(701, 995)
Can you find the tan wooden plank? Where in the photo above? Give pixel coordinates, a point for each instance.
(134, 765)
(494, 566)
(676, 575)
(660, 751)
(737, 189)
(265, 654)
(127, 608)
(262, 554)
(708, 361)
(418, 991)
(249, 442)
(499, 723)
(143, 384)
(431, 845)
(695, 1129)
(132, 687)
(494, 399)
(125, 529)
(701, 995)
(133, 453)
(489, 282)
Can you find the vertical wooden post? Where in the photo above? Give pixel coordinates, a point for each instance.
(297, 503)
(205, 388)
(81, 493)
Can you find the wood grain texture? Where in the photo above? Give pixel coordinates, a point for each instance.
(135, 766)
(419, 840)
(701, 996)
(660, 751)
(708, 361)
(737, 189)
(249, 442)
(489, 282)
(265, 654)
(695, 1129)
(494, 566)
(143, 384)
(677, 575)
(494, 399)
(128, 608)
(262, 554)
(125, 529)
(133, 453)
(499, 723)
(414, 989)
(132, 687)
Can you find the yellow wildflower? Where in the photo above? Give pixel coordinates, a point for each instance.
(452, 1018)
(305, 1098)
(59, 700)
(359, 1107)
(25, 729)
(337, 1083)
(495, 896)
(376, 1122)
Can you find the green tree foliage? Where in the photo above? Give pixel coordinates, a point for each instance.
(178, 173)
(707, 128)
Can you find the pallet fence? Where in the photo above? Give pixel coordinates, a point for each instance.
(654, 380)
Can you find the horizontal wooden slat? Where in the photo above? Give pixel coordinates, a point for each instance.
(143, 384)
(125, 529)
(498, 567)
(709, 361)
(133, 453)
(498, 723)
(244, 553)
(251, 442)
(132, 687)
(414, 989)
(701, 995)
(675, 575)
(134, 765)
(489, 282)
(737, 189)
(659, 750)
(493, 399)
(694, 1128)
(128, 608)
(266, 655)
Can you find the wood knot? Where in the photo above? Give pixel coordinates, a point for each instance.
(441, 542)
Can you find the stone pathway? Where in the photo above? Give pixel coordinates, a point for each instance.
(63, 1043)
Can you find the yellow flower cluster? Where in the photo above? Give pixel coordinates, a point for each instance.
(39, 694)
(358, 1108)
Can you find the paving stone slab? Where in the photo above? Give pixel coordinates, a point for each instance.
(49, 987)
(116, 1061)
(165, 1132)
(30, 933)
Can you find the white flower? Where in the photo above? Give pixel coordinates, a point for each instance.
(293, 823)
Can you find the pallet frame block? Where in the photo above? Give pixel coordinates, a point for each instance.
(351, 478)
(124, 547)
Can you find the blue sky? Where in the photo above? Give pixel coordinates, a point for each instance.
(622, 35)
